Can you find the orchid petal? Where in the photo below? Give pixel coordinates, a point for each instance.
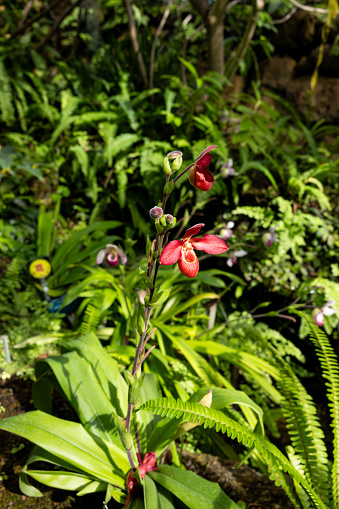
(194, 230)
(204, 162)
(171, 253)
(204, 152)
(123, 257)
(101, 256)
(211, 244)
(328, 311)
(319, 318)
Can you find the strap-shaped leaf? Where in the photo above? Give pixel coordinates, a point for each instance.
(151, 499)
(194, 491)
(83, 391)
(70, 442)
(105, 369)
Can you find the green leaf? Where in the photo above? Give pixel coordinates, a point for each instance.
(192, 490)
(159, 297)
(70, 442)
(147, 280)
(151, 498)
(105, 368)
(82, 389)
(189, 303)
(59, 479)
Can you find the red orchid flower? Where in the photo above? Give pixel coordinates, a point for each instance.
(199, 176)
(147, 464)
(182, 251)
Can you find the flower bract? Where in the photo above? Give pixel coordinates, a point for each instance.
(183, 251)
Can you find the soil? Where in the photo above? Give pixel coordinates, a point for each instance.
(242, 484)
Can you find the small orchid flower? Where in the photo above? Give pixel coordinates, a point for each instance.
(269, 237)
(199, 176)
(182, 251)
(226, 232)
(113, 255)
(233, 259)
(227, 169)
(325, 310)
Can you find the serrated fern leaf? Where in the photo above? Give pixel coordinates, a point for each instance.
(6, 96)
(210, 418)
(305, 432)
(330, 371)
(91, 318)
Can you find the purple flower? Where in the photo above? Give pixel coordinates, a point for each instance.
(227, 169)
(226, 232)
(269, 237)
(234, 257)
(326, 310)
(113, 255)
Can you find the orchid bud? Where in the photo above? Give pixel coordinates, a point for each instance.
(171, 221)
(168, 221)
(176, 165)
(176, 157)
(167, 167)
(156, 212)
(174, 154)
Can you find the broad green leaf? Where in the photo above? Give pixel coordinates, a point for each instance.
(105, 368)
(151, 499)
(59, 479)
(83, 391)
(70, 442)
(192, 490)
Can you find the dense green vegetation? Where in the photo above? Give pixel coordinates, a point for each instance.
(87, 120)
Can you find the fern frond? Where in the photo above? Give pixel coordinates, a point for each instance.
(210, 418)
(330, 371)
(303, 425)
(6, 96)
(91, 319)
(305, 432)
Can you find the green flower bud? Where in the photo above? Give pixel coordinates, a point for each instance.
(167, 167)
(171, 221)
(176, 165)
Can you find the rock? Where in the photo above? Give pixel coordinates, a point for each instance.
(278, 72)
(322, 104)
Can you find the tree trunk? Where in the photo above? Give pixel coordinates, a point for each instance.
(215, 40)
